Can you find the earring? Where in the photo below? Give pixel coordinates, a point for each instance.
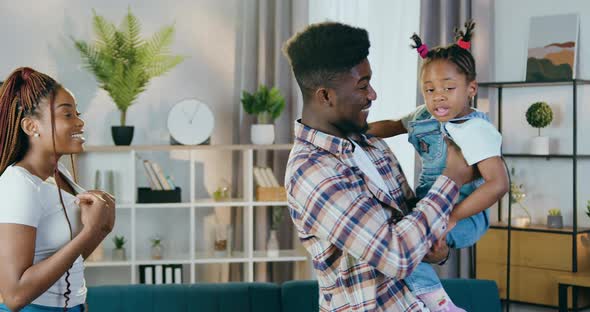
(36, 134)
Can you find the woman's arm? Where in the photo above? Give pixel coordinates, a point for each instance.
(386, 128)
(496, 185)
(21, 281)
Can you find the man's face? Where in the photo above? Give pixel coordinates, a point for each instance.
(352, 99)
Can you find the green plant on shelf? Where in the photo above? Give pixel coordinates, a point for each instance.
(266, 104)
(156, 241)
(277, 217)
(539, 115)
(517, 194)
(588, 208)
(555, 212)
(119, 241)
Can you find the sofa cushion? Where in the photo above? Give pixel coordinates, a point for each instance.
(247, 297)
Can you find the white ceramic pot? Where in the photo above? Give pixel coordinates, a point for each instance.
(262, 134)
(540, 145)
(272, 245)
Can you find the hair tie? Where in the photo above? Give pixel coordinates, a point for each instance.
(464, 44)
(26, 73)
(423, 50)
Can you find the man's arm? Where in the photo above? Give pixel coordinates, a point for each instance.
(386, 128)
(330, 206)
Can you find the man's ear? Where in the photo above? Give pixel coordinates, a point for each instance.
(325, 96)
(29, 126)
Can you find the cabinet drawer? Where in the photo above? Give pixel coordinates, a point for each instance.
(529, 249)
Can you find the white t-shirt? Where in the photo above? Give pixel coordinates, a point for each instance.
(477, 138)
(364, 162)
(30, 201)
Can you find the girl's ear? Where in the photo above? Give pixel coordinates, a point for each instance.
(472, 88)
(29, 126)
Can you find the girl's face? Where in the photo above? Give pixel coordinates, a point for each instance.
(446, 91)
(69, 127)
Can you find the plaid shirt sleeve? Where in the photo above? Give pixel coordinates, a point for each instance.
(329, 202)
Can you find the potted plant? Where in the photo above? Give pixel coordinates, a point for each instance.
(539, 115)
(119, 251)
(588, 208)
(554, 219)
(157, 252)
(123, 63)
(266, 104)
(272, 245)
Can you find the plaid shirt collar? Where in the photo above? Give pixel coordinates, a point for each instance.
(339, 147)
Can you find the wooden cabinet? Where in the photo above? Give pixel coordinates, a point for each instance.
(536, 259)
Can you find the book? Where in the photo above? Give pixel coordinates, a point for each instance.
(160, 175)
(152, 179)
(168, 273)
(271, 177)
(148, 275)
(159, 275)
(177, 276)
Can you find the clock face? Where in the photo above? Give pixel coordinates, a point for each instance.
(190, 122)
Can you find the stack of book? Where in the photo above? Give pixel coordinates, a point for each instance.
(160, 274)
(267, 186)
(157, 179)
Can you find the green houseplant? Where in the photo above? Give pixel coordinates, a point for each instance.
(123, 63)
(119, 251)
(554, 219)
(157, 251)
(267, 105)
(539, 115)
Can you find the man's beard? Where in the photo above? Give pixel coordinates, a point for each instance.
(350, 128)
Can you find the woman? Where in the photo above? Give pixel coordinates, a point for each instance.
(48, 224)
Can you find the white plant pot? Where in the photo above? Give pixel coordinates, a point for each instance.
(262, 134)
(540, 145)
(272, 245)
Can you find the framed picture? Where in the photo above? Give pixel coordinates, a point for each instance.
(552, 46)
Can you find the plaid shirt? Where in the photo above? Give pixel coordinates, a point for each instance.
(361, 247)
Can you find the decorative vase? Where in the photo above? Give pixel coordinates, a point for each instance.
(157, 252)
(272, 246)
(122, 135)
(555, 222)
(521, 221)
(540, 145)
(119, 254)
(261, 134)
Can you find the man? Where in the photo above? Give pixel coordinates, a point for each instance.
(349, 200)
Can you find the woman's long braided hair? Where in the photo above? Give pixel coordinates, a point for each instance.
(20, 96)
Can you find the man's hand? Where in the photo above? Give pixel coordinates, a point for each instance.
(438, 252)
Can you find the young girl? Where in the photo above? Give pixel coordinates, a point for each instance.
(48, 224)
(448, 85)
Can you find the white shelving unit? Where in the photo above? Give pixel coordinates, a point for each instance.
(128, 207)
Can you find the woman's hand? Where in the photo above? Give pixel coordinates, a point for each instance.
(97, 211)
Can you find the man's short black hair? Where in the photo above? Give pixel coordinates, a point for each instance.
(321, 51)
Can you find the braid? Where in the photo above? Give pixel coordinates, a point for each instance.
(456, 53)
(20, 96)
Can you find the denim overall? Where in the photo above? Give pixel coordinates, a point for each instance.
(427, 135)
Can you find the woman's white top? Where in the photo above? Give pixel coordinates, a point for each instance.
(28, 200)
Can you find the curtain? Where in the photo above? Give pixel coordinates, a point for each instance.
(264, 27)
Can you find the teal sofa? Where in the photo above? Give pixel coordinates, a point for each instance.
(293, 296)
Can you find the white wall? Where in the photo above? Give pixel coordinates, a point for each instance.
(390, 25)
(549, 183)
(38, 35)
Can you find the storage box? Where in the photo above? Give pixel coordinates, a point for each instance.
(271, 194)
(146, 195)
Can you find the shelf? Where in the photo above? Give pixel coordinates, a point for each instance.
(208, 258)
(566, 156)
(163, 205)
(284, 256)
(181, 259)
(210, 202)
(95, 264)
(519, 84)
(539, 228)
(153, 148)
